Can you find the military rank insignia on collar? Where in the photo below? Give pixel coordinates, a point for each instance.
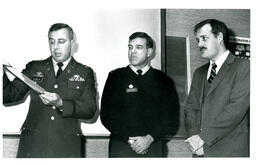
(77, 78)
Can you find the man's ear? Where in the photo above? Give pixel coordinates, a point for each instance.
(220, 36)
(150, 52)
(74, 46)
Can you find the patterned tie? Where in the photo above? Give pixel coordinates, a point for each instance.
(60, 64)
(213, 73)
(139, 72)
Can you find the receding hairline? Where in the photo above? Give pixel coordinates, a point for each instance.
(60, 26)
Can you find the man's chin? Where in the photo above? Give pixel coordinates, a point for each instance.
(58, 59)
(134, 64)
(205, 56)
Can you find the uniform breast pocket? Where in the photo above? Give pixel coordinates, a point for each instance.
(75, 85)
(75, 88)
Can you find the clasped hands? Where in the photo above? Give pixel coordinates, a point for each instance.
(49, 98)
(140, 144)
(195, 144)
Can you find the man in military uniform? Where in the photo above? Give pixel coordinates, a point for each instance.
(139, 104)
(51, 128)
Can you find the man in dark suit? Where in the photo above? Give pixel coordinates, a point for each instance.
(139, 104)
(51, 128)
(217, 108)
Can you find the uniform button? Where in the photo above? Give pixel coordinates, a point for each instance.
(55, 86)
(53, 107)
(77, 87)
(61, 110)
(77, 134)
(52, 118)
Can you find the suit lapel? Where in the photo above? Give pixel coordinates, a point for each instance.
(203, 76)
(222, 73)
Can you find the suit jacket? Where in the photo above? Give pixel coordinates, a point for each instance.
(48, 131)
(221, 117)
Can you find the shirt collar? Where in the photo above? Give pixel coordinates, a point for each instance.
(219, 62)
(144, 70)
(65, 63)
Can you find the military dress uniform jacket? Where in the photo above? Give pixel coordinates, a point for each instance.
(49, 131)
(221, 115)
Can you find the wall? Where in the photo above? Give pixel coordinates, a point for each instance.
(102, 37)
(97, 147)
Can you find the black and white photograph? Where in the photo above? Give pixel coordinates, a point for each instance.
(168, 83)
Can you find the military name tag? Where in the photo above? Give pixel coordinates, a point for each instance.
(129, 90)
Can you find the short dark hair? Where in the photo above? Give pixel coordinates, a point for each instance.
(58, 26)
(149, 40)
(217, 27)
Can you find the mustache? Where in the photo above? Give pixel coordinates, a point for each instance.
(202, 48)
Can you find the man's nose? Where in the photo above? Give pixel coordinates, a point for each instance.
(133, 50)
(200, 43)
(56, 46)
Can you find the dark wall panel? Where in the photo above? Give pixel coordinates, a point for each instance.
(176, 68)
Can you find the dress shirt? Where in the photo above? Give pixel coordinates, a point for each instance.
(56, 67)
(144, 70)
(219, 62)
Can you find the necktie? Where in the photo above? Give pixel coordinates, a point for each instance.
(60, 64)
(213, 73)
(139, 72)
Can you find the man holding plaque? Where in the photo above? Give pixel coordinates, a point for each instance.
(51, 128)
(139, 104)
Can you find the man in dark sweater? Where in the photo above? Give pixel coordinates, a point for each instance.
(139, 104)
